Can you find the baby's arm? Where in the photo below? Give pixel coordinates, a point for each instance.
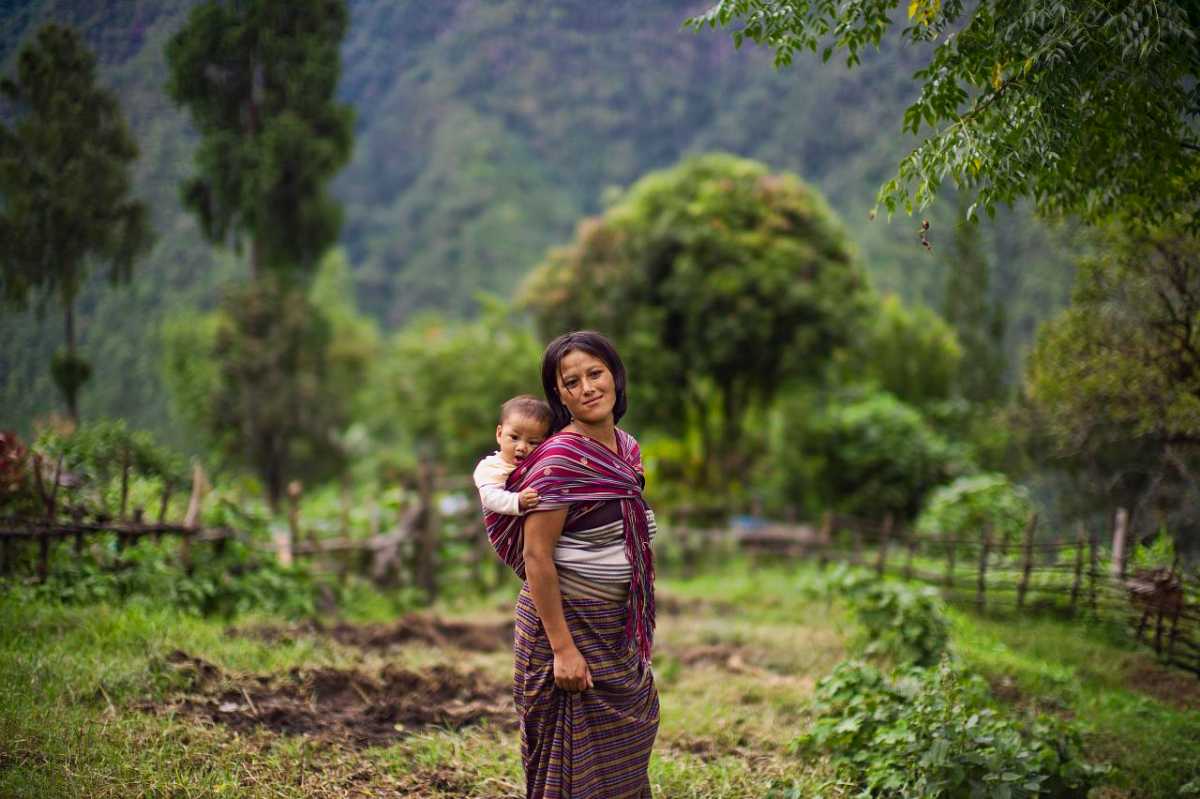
(494, 497)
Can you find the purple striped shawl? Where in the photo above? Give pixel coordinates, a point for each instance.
(568, 470)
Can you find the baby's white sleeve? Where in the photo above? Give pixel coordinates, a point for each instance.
(491, 491)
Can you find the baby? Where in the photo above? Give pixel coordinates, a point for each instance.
(524, 423)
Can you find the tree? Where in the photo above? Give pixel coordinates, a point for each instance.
(910, 353)
(719, 283)
(1085, 107)
(440, 383)
(272, 409)
(1116, 377)
(275, 375)
(865, 455)
(65, 199)
(259, 78)
(978, 322)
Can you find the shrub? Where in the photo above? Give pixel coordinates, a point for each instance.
(970, 504)
(898, 621)
(864, 456)
(16, 479)
(225, 584)
(931, 733)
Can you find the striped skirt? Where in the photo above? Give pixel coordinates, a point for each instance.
(594, 744)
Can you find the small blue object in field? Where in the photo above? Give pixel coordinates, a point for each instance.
(746, 524)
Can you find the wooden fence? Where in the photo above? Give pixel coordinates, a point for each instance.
(1079, 576)
(417, 547)
(422, 547)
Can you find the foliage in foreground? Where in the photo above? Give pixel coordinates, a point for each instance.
(897, 621)
(222, 584)
(931, 733)
(929, 729)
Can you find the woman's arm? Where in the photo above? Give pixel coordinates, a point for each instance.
(542, 531)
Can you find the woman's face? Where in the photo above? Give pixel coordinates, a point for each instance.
(586, 387)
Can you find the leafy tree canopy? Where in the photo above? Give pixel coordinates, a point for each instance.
(911, 353)
(863, 455)
(440, 383)
(1085, 107)
(1126, 355)
(1115, 379)
(259, 78)
(274, 378)
(719, 282)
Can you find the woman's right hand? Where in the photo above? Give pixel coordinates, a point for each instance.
(571, 671)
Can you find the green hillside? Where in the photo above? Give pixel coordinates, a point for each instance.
(484, 131)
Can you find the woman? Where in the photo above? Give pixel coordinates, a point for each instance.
(585, 616)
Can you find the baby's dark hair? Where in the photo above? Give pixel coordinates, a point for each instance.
(528, 406)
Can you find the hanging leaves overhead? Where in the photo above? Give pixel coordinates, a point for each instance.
(1085, 107)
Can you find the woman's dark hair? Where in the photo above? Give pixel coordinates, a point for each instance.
(593, 344)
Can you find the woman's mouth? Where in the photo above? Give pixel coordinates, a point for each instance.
(592, 401)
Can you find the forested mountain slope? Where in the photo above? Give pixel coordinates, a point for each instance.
(484, 130)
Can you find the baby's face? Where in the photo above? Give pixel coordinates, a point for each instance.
(518, 435)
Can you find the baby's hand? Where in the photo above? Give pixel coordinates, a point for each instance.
(529, 499)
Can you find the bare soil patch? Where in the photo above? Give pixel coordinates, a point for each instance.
(338, 705)
(1005, 689)
(1171, 686)
(412, 628)
(670, 605)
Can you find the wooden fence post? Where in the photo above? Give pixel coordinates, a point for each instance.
(856, 538)
(50, 504)
(981, 584)
(139, 519)
(425, 562)
(52, 509)
(294, 489)
(77, 519)
(1120, 531)
(885, 537)
(162, 505)
(1093, 569)
(951, 542)
(124, 482)
(825, 537)
(1080, 545)
(199, 488)
(1177, 610)
(913, 542)
(40, 484)
(1027, 559)
(43, 556)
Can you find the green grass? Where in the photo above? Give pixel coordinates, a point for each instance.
(738, 652)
